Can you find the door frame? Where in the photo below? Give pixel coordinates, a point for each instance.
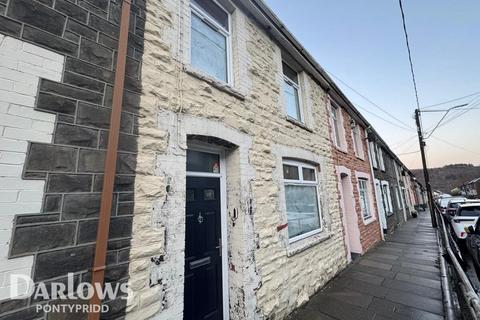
(347, 218)
(204, 147)
(381, 208)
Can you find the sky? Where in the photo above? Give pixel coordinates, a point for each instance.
(362, 43)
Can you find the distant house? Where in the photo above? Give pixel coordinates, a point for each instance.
(395, 185)
(471, 189)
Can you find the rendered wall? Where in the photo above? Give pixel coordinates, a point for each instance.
(21, 66)
(57, 73)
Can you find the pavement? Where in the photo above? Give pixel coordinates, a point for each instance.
(398, 279)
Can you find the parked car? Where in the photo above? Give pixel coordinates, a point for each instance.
(465, 217)
(472, 244)
(455, 202)
(443, 202)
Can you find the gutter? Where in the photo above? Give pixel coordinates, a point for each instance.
(98, 270)
(267, 18)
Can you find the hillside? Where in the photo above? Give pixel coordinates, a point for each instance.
(450, 176)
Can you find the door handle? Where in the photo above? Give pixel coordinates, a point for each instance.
(219, 247)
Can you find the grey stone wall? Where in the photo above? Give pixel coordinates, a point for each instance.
(396, 218)
(61, 237)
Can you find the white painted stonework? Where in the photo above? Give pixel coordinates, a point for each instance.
(21, 66)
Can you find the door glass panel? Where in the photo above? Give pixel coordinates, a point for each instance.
(198, 161)
(209, 194)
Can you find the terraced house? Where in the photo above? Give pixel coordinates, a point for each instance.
(355, 179)
(224, 196)
(398, 192)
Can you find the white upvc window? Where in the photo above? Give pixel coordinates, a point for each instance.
(210, 39)
(336, 123)
(291, 91)
(357, 140)
(399, 199)
(380, 158)
(388, 198)
(364, 198)
(302, 199)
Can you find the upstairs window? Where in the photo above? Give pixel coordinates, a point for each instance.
(357, 140)
(364, 200)
(373, 154)
(380, 159)
(210, 37)
(335, 116)
(291, 93)
(301, 197)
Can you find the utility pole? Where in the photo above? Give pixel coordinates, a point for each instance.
(425, 170)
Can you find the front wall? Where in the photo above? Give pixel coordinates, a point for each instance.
(266, 278)
(370, 232)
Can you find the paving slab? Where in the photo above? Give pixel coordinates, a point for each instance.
(399, 279)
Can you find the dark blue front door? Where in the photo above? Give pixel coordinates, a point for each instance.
(203, 261)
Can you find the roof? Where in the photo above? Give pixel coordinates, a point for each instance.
(474, 180)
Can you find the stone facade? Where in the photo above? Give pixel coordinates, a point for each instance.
(396, 205)
(267, 277)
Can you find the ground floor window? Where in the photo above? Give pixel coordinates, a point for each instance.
(388, 202)
(364, 200)
(301, 197)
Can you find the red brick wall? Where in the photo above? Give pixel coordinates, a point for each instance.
(369, 233)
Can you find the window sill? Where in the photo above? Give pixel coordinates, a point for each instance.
(222, 86)
(298, 123)
(360, 158)
(306, 243)
(369, 220)
(341, 149)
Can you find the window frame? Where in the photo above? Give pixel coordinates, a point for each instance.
(381, 161)
(367, 198)
(302, 182)
(399, 199)
(386, 190)
(357, 141)
(373, 154)
(210, 21)
(335, 115)
(297, 87)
